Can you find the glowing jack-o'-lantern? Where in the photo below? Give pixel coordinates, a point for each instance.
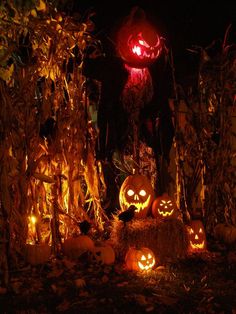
(164, 207)
(138, 43)
(136, 190)
(139, 260)
(196, 236)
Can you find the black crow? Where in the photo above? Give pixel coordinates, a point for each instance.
(128, 214)
(84, 226)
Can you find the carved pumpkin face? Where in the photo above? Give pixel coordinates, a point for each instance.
(138, 44)
(136, 190)
(164, 207)
(140, 260)
(196, 236)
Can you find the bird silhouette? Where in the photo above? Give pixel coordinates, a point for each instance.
(128, 214)
(84, 226)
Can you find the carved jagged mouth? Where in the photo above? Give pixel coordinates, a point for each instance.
(164, 214)
(139, 206)
(197, 245)
(151, 55)
(146, 267)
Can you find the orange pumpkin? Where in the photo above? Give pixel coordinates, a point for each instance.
(136, 190)
(196, 236)
(138, 43)
(104, 254)
(74, 247)
(140, 260)
(164, 207)
(37, 254)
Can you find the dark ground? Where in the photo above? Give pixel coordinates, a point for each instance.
(203, 283)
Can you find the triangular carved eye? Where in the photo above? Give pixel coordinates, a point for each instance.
(149, 256)
(143, 258)
(191, 231)
(130, 192)
(143, 43)
(200, 230)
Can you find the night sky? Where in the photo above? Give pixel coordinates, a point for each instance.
(182, 23)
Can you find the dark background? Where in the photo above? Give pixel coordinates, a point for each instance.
(182, 23)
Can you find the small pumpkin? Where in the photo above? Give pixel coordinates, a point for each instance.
(136, 190)
(196, 236)
(164, 207)
(226, 233)
(104, 254)
(142, 259)
(36, 254)
(74, 247)
(138, 43)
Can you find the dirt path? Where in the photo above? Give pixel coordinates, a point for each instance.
(200, 284)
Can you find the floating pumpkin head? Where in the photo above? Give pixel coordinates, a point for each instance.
(139, 260)
(104, 254)
(164, 207)
(136, 190)
(196, 236)
(138, 43)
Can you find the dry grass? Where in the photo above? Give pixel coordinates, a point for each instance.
(167, 239)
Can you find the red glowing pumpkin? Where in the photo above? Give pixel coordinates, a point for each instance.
(138, 43)
(196, 236)
(136, 190)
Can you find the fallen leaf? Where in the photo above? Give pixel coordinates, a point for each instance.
(69, 264)
(54, 288)
(105, 278)
(149, 308)
(165, 299)
(141, 299)
(80, 283)
(186, 288)
(55, 273)
(83, 293)
(203, 278)
(159, 268)
(3, 290)
(65, 305)
(122, 284)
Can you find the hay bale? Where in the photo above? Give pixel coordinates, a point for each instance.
(167, 239)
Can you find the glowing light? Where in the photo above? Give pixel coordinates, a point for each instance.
(143, 43)
(33, 219)
(130, 192)
(197, 245)
(149, 263)
(162, 213)
(139, 206)
(136, 50)
(142, 193)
